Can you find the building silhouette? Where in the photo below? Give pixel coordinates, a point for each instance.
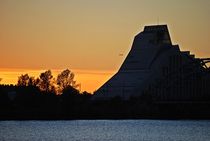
(155, 66)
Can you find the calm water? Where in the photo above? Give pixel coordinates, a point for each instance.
(105, 130)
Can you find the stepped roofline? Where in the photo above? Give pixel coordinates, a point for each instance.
(154, 64)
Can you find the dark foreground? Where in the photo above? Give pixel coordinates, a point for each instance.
(113, 109)
(31, 104)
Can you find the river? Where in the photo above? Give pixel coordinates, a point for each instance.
(106, 130)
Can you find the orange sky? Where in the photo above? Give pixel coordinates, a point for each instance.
(89, 80)
(88, 36)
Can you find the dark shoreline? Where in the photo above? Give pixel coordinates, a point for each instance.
(30, 103)
(125, 112)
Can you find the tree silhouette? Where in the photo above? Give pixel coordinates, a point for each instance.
(32, 81)
(23, 80)
(26, 80)
(45, 81)
(66, 79)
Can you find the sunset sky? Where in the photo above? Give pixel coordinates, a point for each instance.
(87, 36)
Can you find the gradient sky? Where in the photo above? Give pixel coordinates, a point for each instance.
(88, 35)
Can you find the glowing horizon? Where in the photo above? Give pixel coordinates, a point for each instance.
(89, 80)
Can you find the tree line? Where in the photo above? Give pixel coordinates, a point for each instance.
(48, 97)
(47, 83)
(42, 97)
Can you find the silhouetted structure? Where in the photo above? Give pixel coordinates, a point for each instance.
(157, 67)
